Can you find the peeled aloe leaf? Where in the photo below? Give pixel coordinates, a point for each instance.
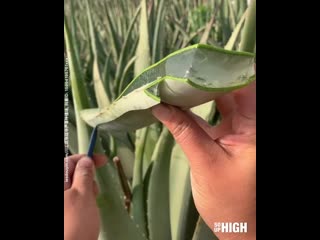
(186, 78)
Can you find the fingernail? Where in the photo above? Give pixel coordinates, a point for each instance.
(162, 112)
(85, 162)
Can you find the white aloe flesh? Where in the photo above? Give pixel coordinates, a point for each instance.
(186, 78)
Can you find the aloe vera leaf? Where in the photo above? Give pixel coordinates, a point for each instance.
(232, 15)
(116, 222)
(142, 61)
(125, 72)
(152, 137)
(186, 78)
(248, 38)
(206, 34)
(73, 142)
(124, 50)
(183, 214)
(158, 38)
(146, 139)
(158, 212)
(78, 92)
(143, 49)
(235, 34)
(243, 4)
(203, 232)
(126, 154)
(100, 93)
(138, 205)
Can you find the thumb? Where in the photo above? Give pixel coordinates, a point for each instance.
(194, 141)
(83, 175)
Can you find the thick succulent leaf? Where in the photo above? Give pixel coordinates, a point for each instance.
(100, 93)
(186, 78)
(183, 214)
(116, 222)
(143, 49)
(73, 141)
(138, 204)
(158, 212)
(79, 94)
(203, 232)
(235, 34)
(152, 137)
(248, 39)
(126, 154)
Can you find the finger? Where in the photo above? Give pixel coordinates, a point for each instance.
(206, 127)
(245, 99)
(71, 162)
(196, 144)
(226, 105)
(95, 189)
(215, 132)
(69, 166)
(75, 157)
(84, 175)
(99, 160)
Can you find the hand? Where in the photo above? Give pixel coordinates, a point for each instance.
(222, 159)
(81, 215)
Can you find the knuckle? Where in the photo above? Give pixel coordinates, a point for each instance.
(86, 173)
(181, 130)
(73, 195)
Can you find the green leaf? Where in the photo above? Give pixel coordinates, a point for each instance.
(158, 191)
(243, 4)
(78, 92)
(73, 26)
(138, 204)
(114, 38)
(183, 214)
(206, 111)
(125, 74)
(143, 50)
(203, 232)
(235, 34)
(158, 38)
(106, 77)
(205, 36)
(186, 78)
(115, 221)
(126, 154)
(73, 142)
(232, 15)
(124, 51)
(101, 96)
(151, 140)
(248, 39)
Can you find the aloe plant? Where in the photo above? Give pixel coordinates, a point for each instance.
(186, 78)
(123, 52)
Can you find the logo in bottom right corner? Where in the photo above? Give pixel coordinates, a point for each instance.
(229, 227)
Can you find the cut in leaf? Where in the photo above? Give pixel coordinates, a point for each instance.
(186, 78)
